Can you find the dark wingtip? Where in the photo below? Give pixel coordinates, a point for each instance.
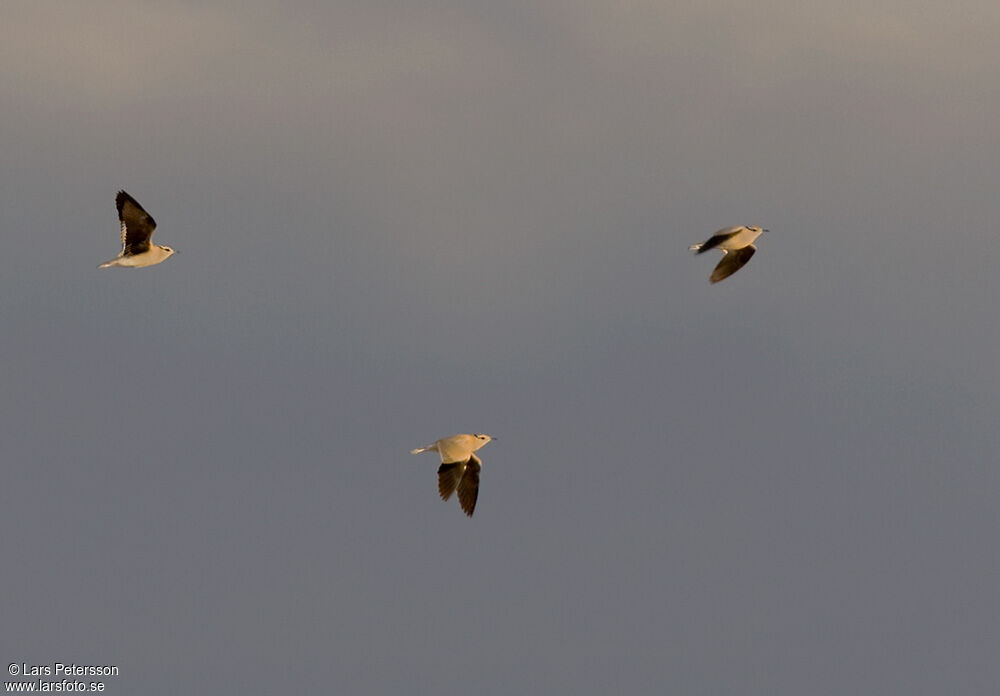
(124, 196)
(447, 486)
(120, 200)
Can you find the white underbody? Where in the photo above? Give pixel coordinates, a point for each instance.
(743, 238)
(150, 257)
(457, 448)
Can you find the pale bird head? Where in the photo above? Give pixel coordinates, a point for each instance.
(483, 439)
(169, 251)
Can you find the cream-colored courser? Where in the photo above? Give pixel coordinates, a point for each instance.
(736, 244)
(138, 249)
(459, 468)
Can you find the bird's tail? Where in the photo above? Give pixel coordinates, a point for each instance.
(418, 450)
(695, 247)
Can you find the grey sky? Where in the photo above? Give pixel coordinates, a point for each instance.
(398, 221)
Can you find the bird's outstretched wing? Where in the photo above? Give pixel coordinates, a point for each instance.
(716, 239)
(448, 477)
(468, 486)
(137, 225)
(731, 262)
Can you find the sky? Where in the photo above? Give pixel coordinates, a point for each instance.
(396, 221)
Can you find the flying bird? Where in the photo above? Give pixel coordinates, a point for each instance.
(736, 244)
(459, 468)
(137, 233)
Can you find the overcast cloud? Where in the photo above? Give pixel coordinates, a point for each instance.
(398, 221)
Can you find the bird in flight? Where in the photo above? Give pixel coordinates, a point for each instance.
(736, 244)
(137, 234)
(459, 468)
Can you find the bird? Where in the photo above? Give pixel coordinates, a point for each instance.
(137, 233)
(736, 244)
(459, 468)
